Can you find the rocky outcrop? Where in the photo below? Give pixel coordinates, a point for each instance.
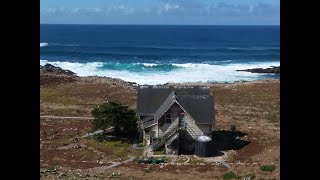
(273, 69)
(49, 68)
(52, 75)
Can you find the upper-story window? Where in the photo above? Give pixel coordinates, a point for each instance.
(168, 118)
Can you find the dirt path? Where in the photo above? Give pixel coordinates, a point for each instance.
(97, 132)
(104, 168)
(64, 117)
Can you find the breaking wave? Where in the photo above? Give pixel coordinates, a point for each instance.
(43, 44)
(150, 73)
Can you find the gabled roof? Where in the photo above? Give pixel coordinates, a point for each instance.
(200, 107)
(196, 100)
(165, 105)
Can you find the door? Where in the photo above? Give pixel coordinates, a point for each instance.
(152, 136)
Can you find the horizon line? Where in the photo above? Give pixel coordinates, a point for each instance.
(164, 24)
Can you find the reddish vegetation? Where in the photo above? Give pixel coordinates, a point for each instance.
(51, 80)
(253, 107)
(245, 153)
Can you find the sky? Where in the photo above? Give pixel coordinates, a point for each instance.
(175, 12)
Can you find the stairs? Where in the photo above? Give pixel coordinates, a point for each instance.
(172, 139)
(160, 141)
(194, 133)
(170, 132)
(193, 129)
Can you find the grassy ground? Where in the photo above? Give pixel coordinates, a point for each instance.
(80, 97)
(252, 107)
(61, 145)
(160, 151)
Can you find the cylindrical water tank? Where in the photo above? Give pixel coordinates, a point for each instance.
(204, 146)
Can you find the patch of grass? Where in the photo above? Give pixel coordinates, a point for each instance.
(230, 156)
(181, 160)
(54, 95)
(117, 149)
(166, 159)
(230, 175)
(140, 145)
(83, 154)
(87, 95)
(268, 168)
(256, 94)
(274, 114)
(160, 151)
(68, 112)
(195, 161)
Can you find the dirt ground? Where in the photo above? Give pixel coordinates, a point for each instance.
(252, 107)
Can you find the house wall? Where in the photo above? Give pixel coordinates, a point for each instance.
(147, 134)
(188, 118)
(161, 127)
(155, 130)
(175, 111)
(205, 128)
(184, 144)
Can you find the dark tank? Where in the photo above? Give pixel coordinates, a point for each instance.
(204, 147)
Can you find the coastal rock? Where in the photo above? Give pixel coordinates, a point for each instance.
(273, 69)
(55, 70)
(52, 75)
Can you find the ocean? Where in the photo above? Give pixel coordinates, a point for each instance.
(152, 54)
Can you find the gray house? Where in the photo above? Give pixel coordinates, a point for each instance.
(175, 116)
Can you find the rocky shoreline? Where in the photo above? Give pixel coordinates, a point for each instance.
(272, 69)
(52, 75)
(49, 68)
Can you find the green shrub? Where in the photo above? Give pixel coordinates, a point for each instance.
(140, 145)
(123, 119)
(99, 137)
(268, 168)
(230, 175)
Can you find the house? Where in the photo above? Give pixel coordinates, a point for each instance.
(174, 117)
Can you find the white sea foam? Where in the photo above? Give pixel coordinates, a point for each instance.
(149, 64)
(189, 72)
(43, 44)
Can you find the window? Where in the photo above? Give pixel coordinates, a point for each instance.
(168, 118)
(181, 120)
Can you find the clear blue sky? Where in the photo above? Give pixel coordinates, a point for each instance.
(209, 12)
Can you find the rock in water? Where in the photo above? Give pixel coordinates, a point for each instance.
(273, 69)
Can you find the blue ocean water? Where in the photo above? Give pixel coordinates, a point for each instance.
(160, 54)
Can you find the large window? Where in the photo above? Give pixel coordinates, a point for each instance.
(168, 118)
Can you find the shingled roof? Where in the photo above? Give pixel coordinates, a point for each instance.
(196, 100)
